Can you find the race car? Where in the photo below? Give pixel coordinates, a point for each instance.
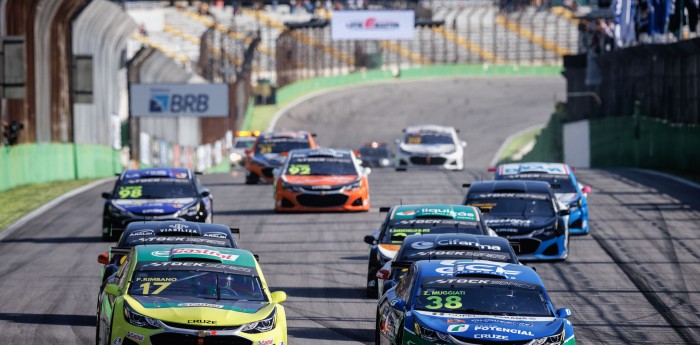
(570, 194)
(269, 152)
(243, 141)
(448, 249)
(404, 220)
(155, 194)
(376, 155)
(189, 294)
(481, 302)
(527, 214)
(430, 146)
(317, 180)
(166, 232)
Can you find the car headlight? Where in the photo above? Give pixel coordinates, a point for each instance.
(547, 232)
(291, 187)
(116, 211)
(355, 185)
(235, 157)
(264, 325)
(190, 211)
(557, 339)
(385, 162)
(404, 151)
(429, 334)
(137, 319)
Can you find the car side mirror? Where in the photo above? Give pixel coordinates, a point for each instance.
(366, 171)
(278, 297)
(564, 212)
(397, 141)
(112, 289)
(205, 194)
(586, 190)
(464, 144)
(106, 195)
(369, 239)
(398, 304)
(103, 258)
(563, 313)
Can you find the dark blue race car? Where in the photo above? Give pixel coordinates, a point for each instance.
(475, 303)
(570, 194)
(155, 194)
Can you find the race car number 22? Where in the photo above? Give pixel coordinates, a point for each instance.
(450, 302)
(130, 192)
(299, 169)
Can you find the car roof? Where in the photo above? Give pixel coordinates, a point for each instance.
(429, 128)
(479, 269)
(176, 228)
(428, 211)
(510, 186)
(177, 173)
(533, 167)
(197, 253)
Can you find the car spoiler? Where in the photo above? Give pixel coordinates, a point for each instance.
(235, 230)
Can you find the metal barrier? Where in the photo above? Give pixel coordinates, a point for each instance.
(664, 79)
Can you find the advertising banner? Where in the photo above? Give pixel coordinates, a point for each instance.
(372, 25)
(167, 100)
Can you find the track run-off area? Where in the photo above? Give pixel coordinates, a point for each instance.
(634, 280)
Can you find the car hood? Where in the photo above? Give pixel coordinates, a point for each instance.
(271, 159)
(197, 311)
(505, 226)
(428, 149)
(510, 328)
(566, 199)
(320, 180)
(153, 206)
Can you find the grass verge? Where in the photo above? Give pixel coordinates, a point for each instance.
(21, 200)
(518, 143)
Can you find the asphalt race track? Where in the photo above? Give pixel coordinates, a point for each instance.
(634, 280)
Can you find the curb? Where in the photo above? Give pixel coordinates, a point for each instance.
(45, 207)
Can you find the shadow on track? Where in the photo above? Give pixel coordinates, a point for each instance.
(89, 239)
(358, 334)
(325, 292)
(258, 212)
(49, 319)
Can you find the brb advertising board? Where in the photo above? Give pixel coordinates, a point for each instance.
(372, 25)
(167, 100)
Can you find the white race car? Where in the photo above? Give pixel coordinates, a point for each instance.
(430, 145)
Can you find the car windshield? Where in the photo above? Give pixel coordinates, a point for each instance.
(244, 144)
(155, 188)
(380, 152)
(321, 166)
(559, 183)
(397, 230)
(482, 297)
(199, 284)
(429, 138)
(132, 241)
(513, 204)
(418, 251)
(280, 145)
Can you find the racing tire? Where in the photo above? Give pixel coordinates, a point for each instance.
(372, 292)
(377, 336)
(252, 178)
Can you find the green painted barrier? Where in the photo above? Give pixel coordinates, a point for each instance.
(645, 143)
(36, 163)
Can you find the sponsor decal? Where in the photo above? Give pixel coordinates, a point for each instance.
(457, 328)
(117, 341)
(135, 336)
(156, 279)
(142, 233)
(153, 210)
(184, 228)
(215, 234)
(482, 282)
(472, 254)
(201, 251)
(406, 213)
(491, 336)
(206, 305)
(508, 229)
(509, 221)
(269, 341)
(372, 23)
(205, 322)
(203, 334)
(502, 330)
(422, 245)
(454, 321)
(161, 253)
(511, 196)
(437, 221)
(470, 267)
(191, 265)
(444, 292)
(172, 239)
(504, 322)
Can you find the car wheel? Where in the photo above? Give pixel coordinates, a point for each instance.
(372, 291)
(377, 326)
(252, 178)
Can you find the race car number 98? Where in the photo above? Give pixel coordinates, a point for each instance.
(130, 192)
(299, 169)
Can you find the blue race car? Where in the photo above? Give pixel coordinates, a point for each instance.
(527, 214)
(152, 195)
(570, 194)
(481, 302)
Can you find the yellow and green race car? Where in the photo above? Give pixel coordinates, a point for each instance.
(190, 294)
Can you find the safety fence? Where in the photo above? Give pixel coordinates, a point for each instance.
(663, 78)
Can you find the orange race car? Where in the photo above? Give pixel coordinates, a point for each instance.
(322, 180)
(269, 152)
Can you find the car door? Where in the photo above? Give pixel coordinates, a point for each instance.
(106, 301)
(395, 316)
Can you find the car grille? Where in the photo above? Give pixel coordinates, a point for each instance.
(489, 342)
(418, 160)
(187, 339)
(205, 328)
(329, 200)
(267, 172)
(525, 246)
